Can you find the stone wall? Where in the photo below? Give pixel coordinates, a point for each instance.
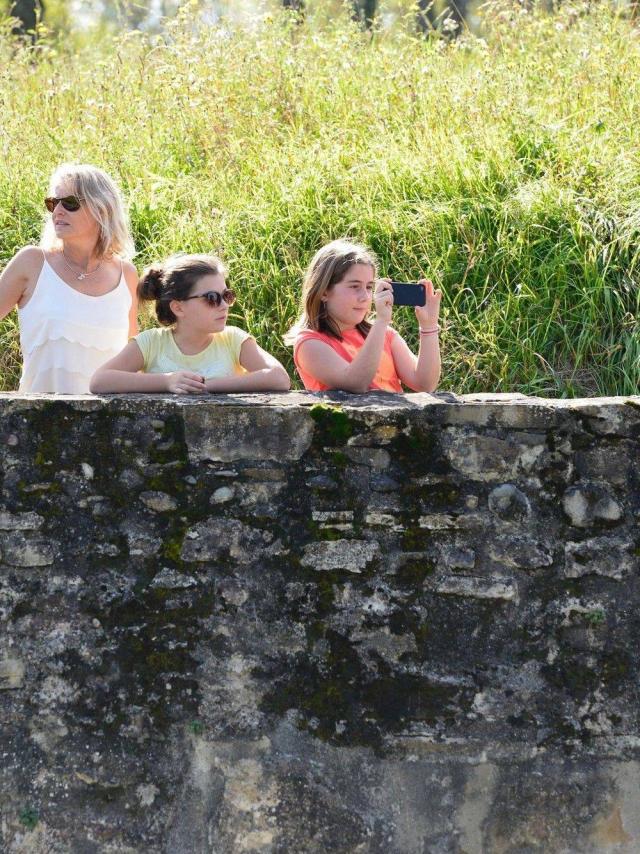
(306, 623)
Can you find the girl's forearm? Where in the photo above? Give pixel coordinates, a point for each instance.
(428, 365)
(274, 378)
(113, 381)
(358, 374)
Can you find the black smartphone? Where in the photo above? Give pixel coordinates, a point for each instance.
(408, 293)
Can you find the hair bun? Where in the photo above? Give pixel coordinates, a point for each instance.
(150, 285)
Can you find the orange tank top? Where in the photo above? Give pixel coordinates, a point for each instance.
(386, 377)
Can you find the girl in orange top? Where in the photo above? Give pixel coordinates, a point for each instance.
(336, 347)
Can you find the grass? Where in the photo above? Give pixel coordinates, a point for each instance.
(506, 168)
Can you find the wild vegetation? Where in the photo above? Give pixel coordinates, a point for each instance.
(505, 167)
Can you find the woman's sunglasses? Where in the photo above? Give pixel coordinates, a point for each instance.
(69, 203)
(213, 298)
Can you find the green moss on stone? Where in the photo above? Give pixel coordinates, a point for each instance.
(413, 572)
(332, 423)
(418, 450)
(415, 539)
(172, 547)
(29, 817)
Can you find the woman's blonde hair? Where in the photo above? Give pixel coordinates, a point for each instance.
(328, 267)
(103, 200)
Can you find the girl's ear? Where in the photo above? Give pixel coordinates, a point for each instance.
(176, 307)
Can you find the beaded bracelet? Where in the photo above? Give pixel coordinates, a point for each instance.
(429, 331)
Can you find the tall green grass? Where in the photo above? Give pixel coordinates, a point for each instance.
(506, 168)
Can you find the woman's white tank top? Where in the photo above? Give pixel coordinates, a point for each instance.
(66, 335)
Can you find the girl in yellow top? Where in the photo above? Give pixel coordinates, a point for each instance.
(336, 346)
(194, 351)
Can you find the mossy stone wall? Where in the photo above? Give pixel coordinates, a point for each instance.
(310, 623)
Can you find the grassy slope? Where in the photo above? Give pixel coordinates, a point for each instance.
(507, 170)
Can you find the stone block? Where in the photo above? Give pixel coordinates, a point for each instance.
(588, 502)
(12, 672)
(458, 558)
(142, 538)
(17, 549)
(376, 458)
(608, 462)
(519, 551)
(607, 556)
(333, 520)
(158, 502)
(222, 495)
(477, 588)
(492, 458)
(20, 521)
(448, 521)
(350, 555)
(509, 503)
(385, 520)
(226, 434)
(215, 538)
(169, 579)
(253, 494)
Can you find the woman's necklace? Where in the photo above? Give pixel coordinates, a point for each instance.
(80, 276)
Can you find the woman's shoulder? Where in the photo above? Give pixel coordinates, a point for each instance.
(129, 270)
(32, 256)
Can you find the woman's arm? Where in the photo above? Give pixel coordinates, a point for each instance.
(23, 270)
(265, 373)
(421, 373)
(121, 374)
(131, 278)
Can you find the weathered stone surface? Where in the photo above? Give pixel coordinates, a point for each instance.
(222, 494)
(458, 558)
(327, 623)
(509, 503)
(20, 521)
(159, 502)
(349, 555)
(491, 458)
(611, 557)
(247, 433)
(171, 580)
(377, 459)
(11, 673)
(478, 588)
(445, 521)
(586, 503)
(519, 551)
(213, 539)
(20, 550)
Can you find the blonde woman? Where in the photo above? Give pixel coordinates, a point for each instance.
(76, 292)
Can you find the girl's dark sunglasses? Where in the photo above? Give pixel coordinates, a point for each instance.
(69, 203)
(213, 298)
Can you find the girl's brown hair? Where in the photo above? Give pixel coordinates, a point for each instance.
(328, 267)
(175, 279)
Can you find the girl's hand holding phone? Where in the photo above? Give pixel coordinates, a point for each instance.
(429, 313)
(383, 300)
